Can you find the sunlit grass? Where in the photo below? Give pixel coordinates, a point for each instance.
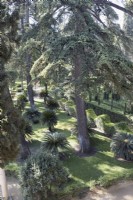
(101, 168)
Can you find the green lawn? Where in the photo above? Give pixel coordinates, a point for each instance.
(101, 168)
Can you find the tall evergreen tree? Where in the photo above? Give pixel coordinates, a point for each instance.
(11, 122)
(77, 39)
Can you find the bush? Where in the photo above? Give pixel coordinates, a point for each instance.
(41, 177)
(55, 143)
(28, 130)
(91, 114)
(43, 94)
(104, 124)
(21, 101)
(49, 117)
(122, 146)
(12, 169)
(122, 126)
(33, 115)
(52, 104)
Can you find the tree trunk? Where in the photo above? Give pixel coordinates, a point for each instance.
(6, 104)
(25, 150)
(28, 62)
(83, 136)
(29, 86)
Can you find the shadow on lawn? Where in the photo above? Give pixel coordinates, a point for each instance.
(102, 166)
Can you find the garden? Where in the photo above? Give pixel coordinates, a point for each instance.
(66, 103)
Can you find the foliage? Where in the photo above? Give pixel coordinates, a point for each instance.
(41, 176)
(43, 93)
(55, 143)
(28, 130)
(33, 115)
(9, 145)
(49, 117)
(12, 169)
(104, 124)
(122, 146)
(122, 126)
(91, 114)
(52, 104)
(21, 101)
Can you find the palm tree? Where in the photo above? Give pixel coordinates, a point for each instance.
(55, 143)
(49, 117)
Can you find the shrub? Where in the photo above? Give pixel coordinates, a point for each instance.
(33, 115)
(43, 94)
(21, 101)
(41, 176)
(12, 169)
(55, 143)
(28, 130)
(104, 124)
(122, 126)
(91, 114)
(122, 146)
(49, 117)
(52, 104)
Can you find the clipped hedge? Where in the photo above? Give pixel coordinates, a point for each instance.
(104, 124)
(115, 117)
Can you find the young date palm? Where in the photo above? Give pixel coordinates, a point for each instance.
(55, 143)
(49, 117)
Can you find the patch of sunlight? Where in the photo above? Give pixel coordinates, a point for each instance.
(39, 134)
(78, 179)
(109, 169)
(107, 153)
(73, 142)
(63, 126)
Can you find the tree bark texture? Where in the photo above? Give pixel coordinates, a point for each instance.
(83, 136)
(6, 104)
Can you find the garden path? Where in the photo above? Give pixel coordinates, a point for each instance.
(120, 191)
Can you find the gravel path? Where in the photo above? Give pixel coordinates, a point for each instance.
(121, 191)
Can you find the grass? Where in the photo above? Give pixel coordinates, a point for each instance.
(102, 168)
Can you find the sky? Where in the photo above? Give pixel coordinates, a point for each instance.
(120, 13)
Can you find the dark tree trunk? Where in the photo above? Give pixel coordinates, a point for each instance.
(25, 150)
(6, 104)
(83, 136)
(28, 61)
(29, 85)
